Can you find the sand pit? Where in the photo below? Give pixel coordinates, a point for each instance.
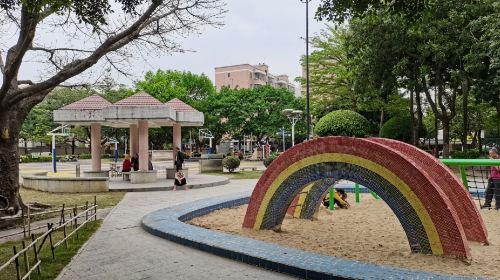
(369, 232)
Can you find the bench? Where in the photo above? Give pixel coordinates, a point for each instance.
(126, 176)
(248, 168)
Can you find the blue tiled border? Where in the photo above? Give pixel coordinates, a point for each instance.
(169, 223)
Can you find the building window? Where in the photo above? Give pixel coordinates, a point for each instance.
(228, 75)
(250, 75)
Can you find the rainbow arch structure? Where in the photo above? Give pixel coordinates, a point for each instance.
(434, 209)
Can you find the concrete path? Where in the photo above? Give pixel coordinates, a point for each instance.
(121, 249)
(196, 181)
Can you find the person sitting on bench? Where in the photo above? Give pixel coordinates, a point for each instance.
(126, 165)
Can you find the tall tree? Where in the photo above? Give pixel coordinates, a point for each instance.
(88, 32)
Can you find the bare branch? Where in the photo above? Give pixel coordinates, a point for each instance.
(2, 66)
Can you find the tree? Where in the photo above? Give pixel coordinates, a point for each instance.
(343, 123)
(186, 86)
(94, 33)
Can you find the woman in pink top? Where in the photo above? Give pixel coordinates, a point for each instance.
(493, 188)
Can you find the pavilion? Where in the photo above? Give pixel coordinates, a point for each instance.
(138, 113)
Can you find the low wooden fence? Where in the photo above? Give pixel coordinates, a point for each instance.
(27, 218)
(69, 228)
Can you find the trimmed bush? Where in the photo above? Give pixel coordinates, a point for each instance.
(270, 159)
(343, 123)
(231, 163)
(84, 156)
(470, 154)
(397, 128)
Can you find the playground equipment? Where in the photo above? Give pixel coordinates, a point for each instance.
(434, 209)
(64, 131)
(204, 133)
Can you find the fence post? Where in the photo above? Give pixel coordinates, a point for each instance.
(25, 256)
(51, 243)
(24, 222)
(38, 268)
(18, 272)
(95, 209)
(86, 212)
(332, 199)
(29, 221)
(62, 220)
(75, 212)
(356, 192)
(463, 175)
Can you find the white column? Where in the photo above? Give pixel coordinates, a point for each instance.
(143, 145)
(95, 142)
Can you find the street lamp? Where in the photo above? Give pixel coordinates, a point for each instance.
(308, 115)
(294, 116)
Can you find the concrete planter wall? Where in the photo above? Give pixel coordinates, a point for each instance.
(141, 177)
(66, 185)
(94, 174)
(210, 165)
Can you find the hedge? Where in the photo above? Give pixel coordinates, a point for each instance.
(343, 123)
(231, 163)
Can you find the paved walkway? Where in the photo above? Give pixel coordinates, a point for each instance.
(195, 181)
(121, 249)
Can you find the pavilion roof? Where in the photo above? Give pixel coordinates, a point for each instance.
(139, 99)
(93, 102)
(180, 106)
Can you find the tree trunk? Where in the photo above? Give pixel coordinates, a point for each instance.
(479, 142)
(420, 113)
(412, 120)
(73, 145)
(465, 115)
(11, 121)
(436, 137)
(446, 138)
(381, 120)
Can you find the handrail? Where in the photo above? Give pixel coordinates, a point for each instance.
(470, 162)
(462, 163)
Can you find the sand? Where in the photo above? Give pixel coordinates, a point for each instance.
(369, 232)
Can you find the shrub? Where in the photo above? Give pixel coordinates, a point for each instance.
(196, 154)
(397, 128)
(470, 154)
(270, 159)
(343, 123)
(231, 163)
(84, 156)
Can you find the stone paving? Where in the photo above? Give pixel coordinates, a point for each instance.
(121, 249)
(196, 181)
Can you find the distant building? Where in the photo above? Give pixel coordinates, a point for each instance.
(250, 76)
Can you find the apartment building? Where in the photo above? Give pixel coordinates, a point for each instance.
(250, 76)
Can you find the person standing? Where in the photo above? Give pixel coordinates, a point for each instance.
(179, 159)
(493, 189)
(135, 162)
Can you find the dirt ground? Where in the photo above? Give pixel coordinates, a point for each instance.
(369, 232)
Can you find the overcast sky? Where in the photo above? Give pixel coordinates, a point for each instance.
(255, 31)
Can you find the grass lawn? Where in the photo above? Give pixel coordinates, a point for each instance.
(104, 200)
(239, 175)
(49, 268)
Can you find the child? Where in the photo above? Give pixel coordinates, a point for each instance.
(180, 180)
(339, 198)
(493, 189)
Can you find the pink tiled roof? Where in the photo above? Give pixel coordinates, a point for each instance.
(93, 102)
(180, 106)
(139, 99)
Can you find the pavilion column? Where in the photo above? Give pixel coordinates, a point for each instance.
(177, 137)
(95, 142)
(134, 140)
(143, 145)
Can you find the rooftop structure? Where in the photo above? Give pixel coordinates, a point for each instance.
(138, 112)
(249, 76)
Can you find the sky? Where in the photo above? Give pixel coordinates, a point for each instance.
(255, 31)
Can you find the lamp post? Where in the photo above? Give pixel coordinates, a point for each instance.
(308, 115)
(294, 116)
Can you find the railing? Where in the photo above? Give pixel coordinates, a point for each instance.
(27, 218)
(474, 174)
(89, 214)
